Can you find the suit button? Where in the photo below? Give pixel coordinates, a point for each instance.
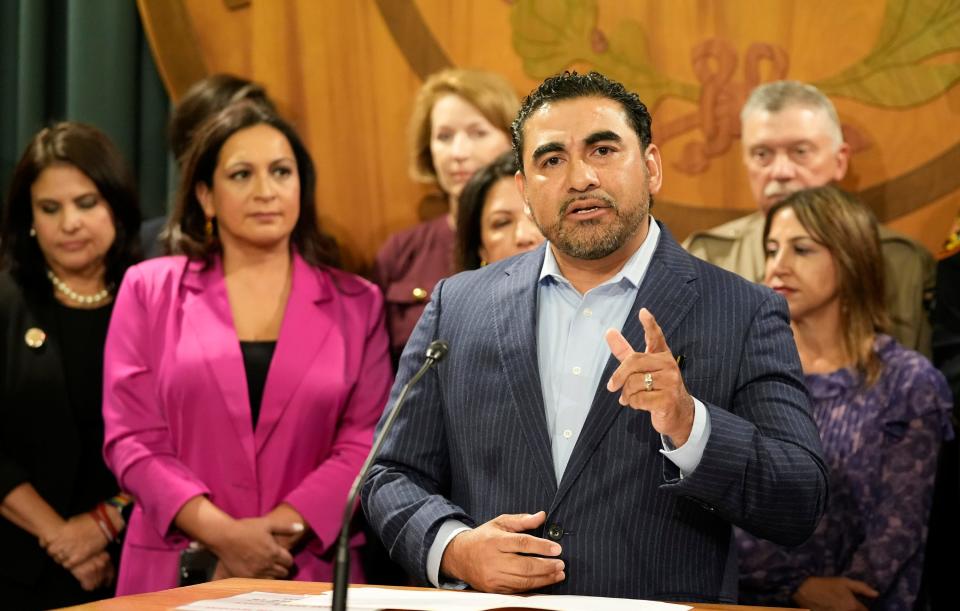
(554, 532)
(419, 294)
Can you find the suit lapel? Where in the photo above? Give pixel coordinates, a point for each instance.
(515, 318)
(206, 310)
(302, 333)
(668, 291)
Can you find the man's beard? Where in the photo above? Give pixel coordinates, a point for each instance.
(594, 239)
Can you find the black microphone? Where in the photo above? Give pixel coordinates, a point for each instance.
(341, 569)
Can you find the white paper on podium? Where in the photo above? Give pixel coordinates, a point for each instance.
(258, 601)
(372, 599)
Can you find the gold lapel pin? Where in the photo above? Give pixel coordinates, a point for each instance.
(35, 337)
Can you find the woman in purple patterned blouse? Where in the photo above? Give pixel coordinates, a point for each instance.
(882, 412)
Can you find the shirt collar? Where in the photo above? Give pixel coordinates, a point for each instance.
(632, 271)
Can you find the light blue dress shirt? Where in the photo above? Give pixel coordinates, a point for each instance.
(572, 353)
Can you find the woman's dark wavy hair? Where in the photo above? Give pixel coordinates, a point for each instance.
(89, 150)
(205, 98)
(470, 208)
(186, 224)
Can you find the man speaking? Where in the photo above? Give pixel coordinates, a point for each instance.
(610, 405)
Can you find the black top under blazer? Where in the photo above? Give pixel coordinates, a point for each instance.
(472, 443)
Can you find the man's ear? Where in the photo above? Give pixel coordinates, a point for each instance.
(843, 161)
(521, 182)
(651, 159)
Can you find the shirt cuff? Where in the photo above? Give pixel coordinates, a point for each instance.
(448, 530)
(687, 457)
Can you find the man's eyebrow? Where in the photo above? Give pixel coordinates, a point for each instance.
(604, 136)
(797, 142)
(546, 149)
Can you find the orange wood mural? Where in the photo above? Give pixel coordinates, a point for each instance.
(345, 72)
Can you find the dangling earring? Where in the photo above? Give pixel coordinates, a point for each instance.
(483, 262)
(208, 229)
(33, 232)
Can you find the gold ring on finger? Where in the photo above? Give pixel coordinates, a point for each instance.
(648, 382)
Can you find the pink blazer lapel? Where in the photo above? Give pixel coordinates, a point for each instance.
(302, 333)
(206, 310)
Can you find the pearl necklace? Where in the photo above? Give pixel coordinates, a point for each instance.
(74, 296)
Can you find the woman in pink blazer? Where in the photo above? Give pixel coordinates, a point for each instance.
(244, 378)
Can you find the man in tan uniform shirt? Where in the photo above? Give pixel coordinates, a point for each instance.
(792, 140)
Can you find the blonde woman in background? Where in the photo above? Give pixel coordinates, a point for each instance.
(460, 123)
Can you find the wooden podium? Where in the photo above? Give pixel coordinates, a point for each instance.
(171, 599)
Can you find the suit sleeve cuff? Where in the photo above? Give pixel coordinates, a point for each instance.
(687, 457)
(448, 530)
(11, 476)
(162, 492)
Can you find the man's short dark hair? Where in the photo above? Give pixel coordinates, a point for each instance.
(570, 85)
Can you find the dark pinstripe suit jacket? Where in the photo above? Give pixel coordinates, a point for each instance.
(471, 443)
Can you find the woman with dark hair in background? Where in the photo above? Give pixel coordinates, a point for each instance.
(491, 221)
(882, 411)
(69, 235)
(203, 99)
(244, 377)
(461, 122)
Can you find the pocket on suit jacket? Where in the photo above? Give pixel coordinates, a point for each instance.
(405, 301)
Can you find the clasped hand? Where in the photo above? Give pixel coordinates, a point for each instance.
(666, 398)
(78, 546)
(250, 548)
(833, 594)
(498, 557)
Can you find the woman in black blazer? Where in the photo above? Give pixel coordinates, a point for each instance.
(70, 232)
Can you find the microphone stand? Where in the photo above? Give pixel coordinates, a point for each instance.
(341, 569)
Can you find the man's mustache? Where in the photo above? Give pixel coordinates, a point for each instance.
(777, 188)
(601, 197)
